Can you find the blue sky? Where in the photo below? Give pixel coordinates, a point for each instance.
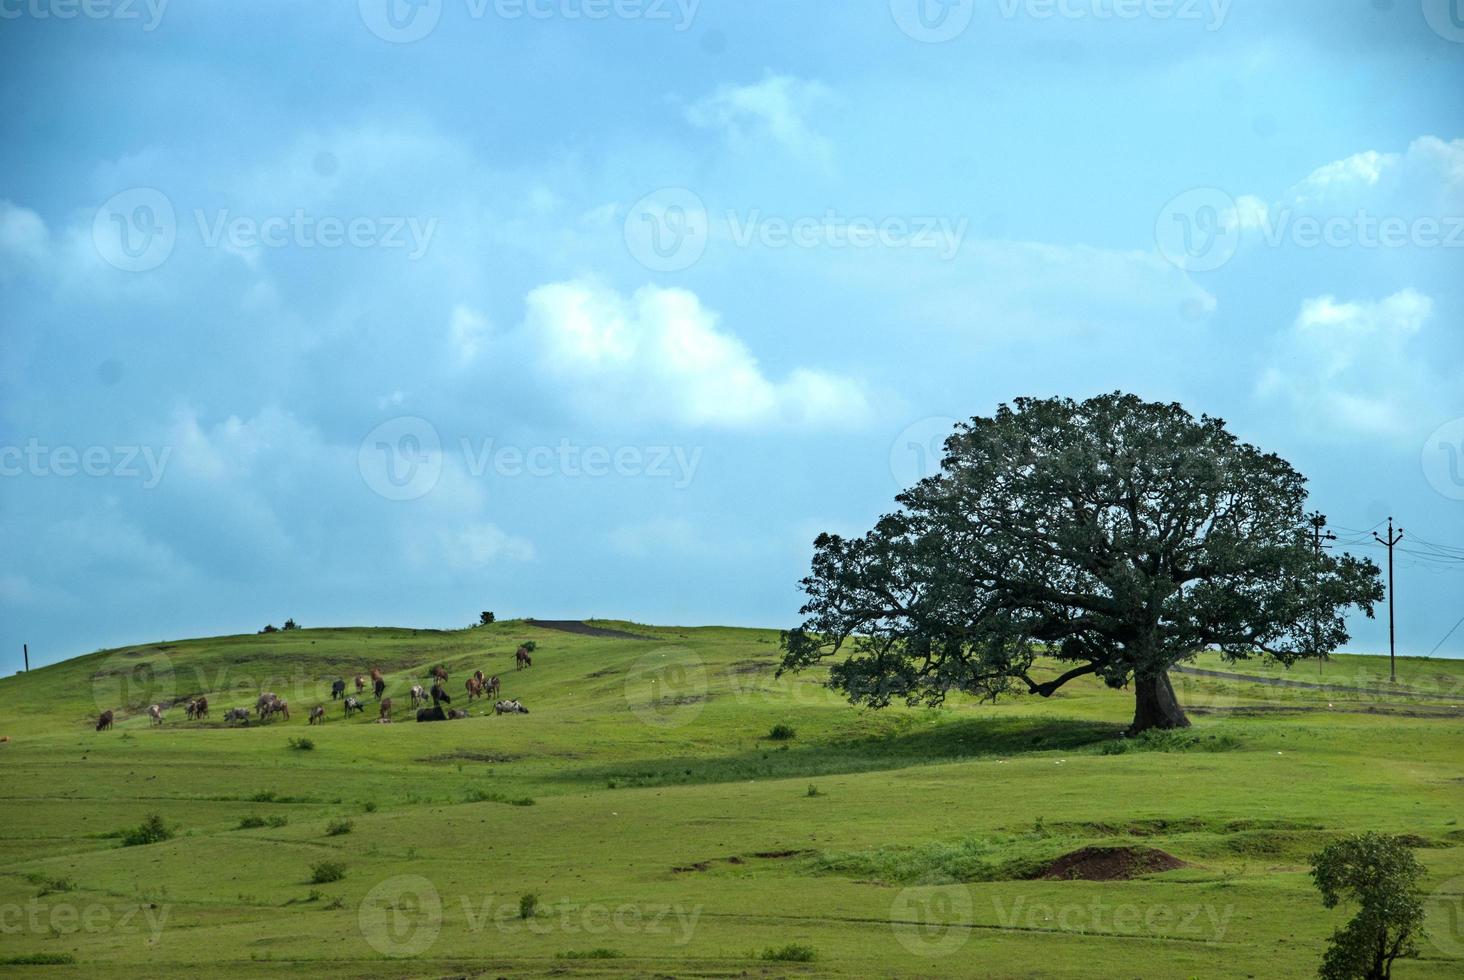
(369, 315)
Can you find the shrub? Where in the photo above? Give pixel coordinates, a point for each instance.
(813, 790)
(791, 953)
(528, 905)
(150, 831)
(279, 820)
(324, 872)
(335, 903)
(250, 822)
(337, 827)
(38, 959)
(529, 645)
(781, 732)
(598, 953)
(290, 624)
(270, 628)
(1380, 874)
(302, 744)
(485, 618)
(369, 806)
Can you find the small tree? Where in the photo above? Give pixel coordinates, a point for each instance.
(290, 624)
(1380, 874)
(270, 628)
(485, 618)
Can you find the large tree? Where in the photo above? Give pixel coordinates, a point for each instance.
(1115, 536)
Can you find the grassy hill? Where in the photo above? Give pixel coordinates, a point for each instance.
(663, 830)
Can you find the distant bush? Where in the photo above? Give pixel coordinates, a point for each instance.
(781, 732)
(337, 827)
(598, 953)
(335, 903)
(528, 905)
(250, 822)
(38, 959)
(290, 624)
(50, 885)
(302, 744)
(485, 618)
(529, 645)
(324, 872)
(270, 628)
(150, 831)
(791, 953)
(369, 806)
(813, 790)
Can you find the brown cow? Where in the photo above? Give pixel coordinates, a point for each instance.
(155, 712)
(490, 689)
(360, 684)
(475, 688)
(200, 709)
(522, 659)
(385, 710)
(317, 714)
(376, 673)
(281, 708)
(440, 672)
(104, 721)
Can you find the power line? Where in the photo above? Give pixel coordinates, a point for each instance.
(1446, 636)
(1391, 541)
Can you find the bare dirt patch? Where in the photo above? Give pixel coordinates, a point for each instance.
(585, 629)
(1109, 864)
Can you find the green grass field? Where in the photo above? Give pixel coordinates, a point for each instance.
(664, 832)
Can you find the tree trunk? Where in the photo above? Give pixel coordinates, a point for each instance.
(1155, 705)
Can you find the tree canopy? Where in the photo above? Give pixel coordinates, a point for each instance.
(1380, 874)
(1117, 537)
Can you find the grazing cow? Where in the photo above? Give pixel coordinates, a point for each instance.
(104, 721)
(379, 686)
(439, 694)
(263, 704)
(376, 674)
(317, 714)
(439, 672)
(522, 659)
(510, 708)
(338, 689)
(200, 709)
(432, 714)
(490, 689)
(457, 713)
(419, 695)
(190, 708)
(236, 714)
(281, 708)
(475, 688)
(155, 712)
(354, 704)
(478, 675)
(385, 710)
(360, 684)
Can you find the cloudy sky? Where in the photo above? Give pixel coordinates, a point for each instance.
(379, 312)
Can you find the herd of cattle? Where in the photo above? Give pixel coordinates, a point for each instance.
(270, 705)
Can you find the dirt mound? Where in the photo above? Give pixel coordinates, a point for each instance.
(1109, 864)
(584, 629)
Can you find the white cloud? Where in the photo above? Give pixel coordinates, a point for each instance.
(1356, 367)
(775, 108)
(22, 232)
(1429, 164)
(660, 354)
(477, 545)
(468, 332)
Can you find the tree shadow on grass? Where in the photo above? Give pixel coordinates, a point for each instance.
(949, 742)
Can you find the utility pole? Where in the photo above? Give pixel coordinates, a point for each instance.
(1390, 541)
(25, 648)
(1320, 537)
